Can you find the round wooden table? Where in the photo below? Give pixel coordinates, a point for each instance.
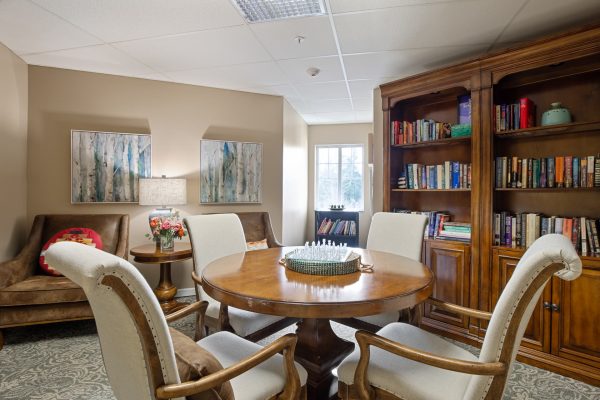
(256, 281)
(165, 290)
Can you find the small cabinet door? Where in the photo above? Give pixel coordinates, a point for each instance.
(451, 266)
(537, 334)
(576, 333)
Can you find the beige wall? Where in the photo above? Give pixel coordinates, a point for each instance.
(338, 134)
(13, 153)
(176, 115)
(295, 177)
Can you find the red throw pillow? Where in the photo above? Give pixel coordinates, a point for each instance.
(81, 235)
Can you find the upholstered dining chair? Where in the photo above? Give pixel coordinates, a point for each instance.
(397, 233)
(402, 361)
(145, 359)
(214, 236)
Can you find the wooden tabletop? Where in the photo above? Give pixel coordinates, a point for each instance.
(150, 253)
(256, 281)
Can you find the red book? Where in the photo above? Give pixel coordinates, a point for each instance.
(527, 109)
(568, 228)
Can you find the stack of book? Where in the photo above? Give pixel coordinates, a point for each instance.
(337, 227)
(550, 172)
(439, 226)
(421, 130)
(521, 230)
(449, 175)
(519, 115)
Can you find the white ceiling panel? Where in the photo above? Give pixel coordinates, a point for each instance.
(119, 20)
(227, 46)
(26, 28)
(543, 16)
(101, 58)
(363, 116)
(430, 25)
(402, 63)
(235, 76)
(343, 6)
(363, 103)
(287, 91)
(325, 106)
(278, 37)
(327, 90)
(364, 87)
(329, 118)
(330, 69)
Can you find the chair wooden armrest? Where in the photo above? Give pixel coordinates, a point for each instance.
(286, 343)
(198, 306)
(460, 309)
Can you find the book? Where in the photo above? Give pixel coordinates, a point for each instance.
(583, 230)
(597, 172)
(568, 171)
(576, 170)
(464, 109)
(559, 176)
(551, 172)
(527, 113)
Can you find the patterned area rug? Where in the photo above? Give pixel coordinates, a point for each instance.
(63, 362)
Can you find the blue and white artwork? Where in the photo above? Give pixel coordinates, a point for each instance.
(230, 172)
(105, 166)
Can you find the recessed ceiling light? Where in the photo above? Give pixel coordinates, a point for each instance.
(268, 10)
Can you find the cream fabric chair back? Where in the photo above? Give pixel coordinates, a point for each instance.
(214, 236)
(134, 337)
(548, 255)
(397, 233)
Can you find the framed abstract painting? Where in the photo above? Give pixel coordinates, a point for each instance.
(105, 166)
(230, 172)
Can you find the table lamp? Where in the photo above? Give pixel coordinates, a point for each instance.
(162, 192)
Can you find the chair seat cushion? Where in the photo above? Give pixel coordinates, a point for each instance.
(41, 289)
(260, 382)
(194, 362)
(381, 319)
(243, 322)
(408, 379)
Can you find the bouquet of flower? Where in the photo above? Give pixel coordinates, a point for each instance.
(170, 227)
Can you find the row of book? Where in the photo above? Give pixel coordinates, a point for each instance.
(337, 227)
(421, 130)
(519, 115)
(522, 229)
(549, 172)
(439, 226)
(449, 175)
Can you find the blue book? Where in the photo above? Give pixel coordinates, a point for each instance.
(576, 172)
(551, 172)
(464, 109)
(409, 174)
(455, 175)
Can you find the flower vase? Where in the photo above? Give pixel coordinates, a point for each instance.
(167, 243)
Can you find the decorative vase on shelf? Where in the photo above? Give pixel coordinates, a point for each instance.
(556, 115)
(167, 243)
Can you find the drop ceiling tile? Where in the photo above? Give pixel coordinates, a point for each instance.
(278, 37)
(327, 90)
(330, 69)
(288, 91)
(310, 106)
(365, 87)
(232, 77)
(118, 20)
(403, 63)
(329, 118)
(540, 17)
(342, 6)
(363, 103)
(363, 116)
(101, 58)
(212, 48)
(25, 28)
(429, 25)
(155, 76)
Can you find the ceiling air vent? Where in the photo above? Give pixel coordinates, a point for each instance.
(269, 10)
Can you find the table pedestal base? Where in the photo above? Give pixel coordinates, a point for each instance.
(165, 291)
(319, 350)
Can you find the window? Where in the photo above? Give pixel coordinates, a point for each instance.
(339, 176)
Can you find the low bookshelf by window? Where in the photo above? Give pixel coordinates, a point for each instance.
(338, 226)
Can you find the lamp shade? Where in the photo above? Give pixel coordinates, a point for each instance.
(162, 191)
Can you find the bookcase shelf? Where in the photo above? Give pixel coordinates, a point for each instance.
(563, 69)
(344, 216)
(563, 129)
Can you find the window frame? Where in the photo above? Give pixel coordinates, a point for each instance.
(339, 147)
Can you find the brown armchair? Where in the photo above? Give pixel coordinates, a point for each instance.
(257, 226)
(27, 296)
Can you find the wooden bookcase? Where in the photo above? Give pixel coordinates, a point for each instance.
(562, 335)
(350, 240)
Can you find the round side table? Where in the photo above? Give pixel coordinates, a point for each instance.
(151, 254)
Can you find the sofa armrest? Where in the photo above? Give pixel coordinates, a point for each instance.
(23, 265)
(271, 239)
